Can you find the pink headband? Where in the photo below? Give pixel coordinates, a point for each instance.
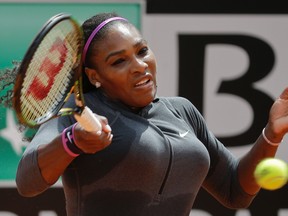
(95, 31)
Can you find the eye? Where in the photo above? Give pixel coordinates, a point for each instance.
(118, 61)
(143, 51)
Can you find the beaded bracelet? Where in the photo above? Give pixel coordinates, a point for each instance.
(68, 142)
(268, 141)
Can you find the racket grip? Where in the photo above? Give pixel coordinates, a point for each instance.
(88, 120)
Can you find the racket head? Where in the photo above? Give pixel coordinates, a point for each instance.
(48, 71)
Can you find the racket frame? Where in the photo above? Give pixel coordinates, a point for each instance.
(58, 111)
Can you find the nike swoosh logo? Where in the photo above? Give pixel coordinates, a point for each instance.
(69, 138)
(183, 134)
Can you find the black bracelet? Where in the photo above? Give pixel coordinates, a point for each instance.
(68, 142)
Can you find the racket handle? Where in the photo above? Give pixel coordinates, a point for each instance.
(88, 120)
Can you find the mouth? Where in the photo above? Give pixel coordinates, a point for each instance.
(143, 82)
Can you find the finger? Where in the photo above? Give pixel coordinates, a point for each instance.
(104, 122)
(102, 119)
(111, 137)
(106, 128)
(284, 94)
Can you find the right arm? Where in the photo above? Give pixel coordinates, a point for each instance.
(44, 160)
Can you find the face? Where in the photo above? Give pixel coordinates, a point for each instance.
(125, 67)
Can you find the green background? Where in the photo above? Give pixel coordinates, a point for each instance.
(19, 23)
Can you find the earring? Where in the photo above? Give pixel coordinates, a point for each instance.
(97, 84)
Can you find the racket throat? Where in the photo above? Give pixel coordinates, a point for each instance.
(78, 110)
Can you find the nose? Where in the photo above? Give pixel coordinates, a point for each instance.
(139, 65)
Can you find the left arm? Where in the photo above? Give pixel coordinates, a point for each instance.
(275, 130)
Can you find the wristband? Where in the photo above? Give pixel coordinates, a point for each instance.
(267, 140)
(68, 142)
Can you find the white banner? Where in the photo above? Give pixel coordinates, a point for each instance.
(226, 114)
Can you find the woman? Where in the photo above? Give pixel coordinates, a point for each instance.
(155, 153)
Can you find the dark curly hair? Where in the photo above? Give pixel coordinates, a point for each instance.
(7, 80)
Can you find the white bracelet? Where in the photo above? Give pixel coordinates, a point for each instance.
(267, 140)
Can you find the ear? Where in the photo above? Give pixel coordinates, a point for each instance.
(92, 75)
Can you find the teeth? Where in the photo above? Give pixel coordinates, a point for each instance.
(142, 82)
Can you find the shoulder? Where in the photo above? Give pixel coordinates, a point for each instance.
(175, 100)
(184, 108)
(178, 103)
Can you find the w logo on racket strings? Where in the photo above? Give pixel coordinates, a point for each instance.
(50, 67)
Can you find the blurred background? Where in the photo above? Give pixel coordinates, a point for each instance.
(228, 57)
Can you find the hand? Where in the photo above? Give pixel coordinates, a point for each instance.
(92, 142)
(277, 125)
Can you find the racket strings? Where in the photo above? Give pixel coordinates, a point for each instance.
(50, 73)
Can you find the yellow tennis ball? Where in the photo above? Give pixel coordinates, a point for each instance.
(271, 173)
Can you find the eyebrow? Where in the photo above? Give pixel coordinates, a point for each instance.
(139, 42)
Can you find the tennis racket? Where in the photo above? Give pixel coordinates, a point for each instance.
(50, 73)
